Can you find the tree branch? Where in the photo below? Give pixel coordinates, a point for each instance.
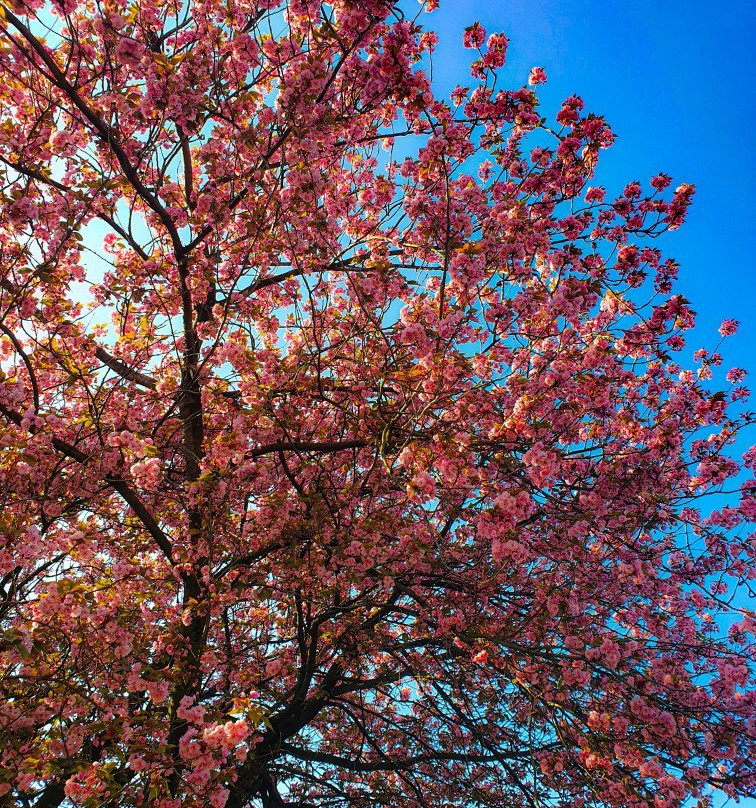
(123, 370)
(106, 134)
(116, 482)
(307, 446)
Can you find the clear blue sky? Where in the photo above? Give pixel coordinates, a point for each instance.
(675, 81)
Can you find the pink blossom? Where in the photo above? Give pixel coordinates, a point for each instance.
(537, 76)
(475, 36)
(728, 327)
(219, 797)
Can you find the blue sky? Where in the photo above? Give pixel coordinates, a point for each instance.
(674, 80)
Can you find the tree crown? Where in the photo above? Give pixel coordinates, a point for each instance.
(347, 460)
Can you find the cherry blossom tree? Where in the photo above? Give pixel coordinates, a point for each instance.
(348, 458)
